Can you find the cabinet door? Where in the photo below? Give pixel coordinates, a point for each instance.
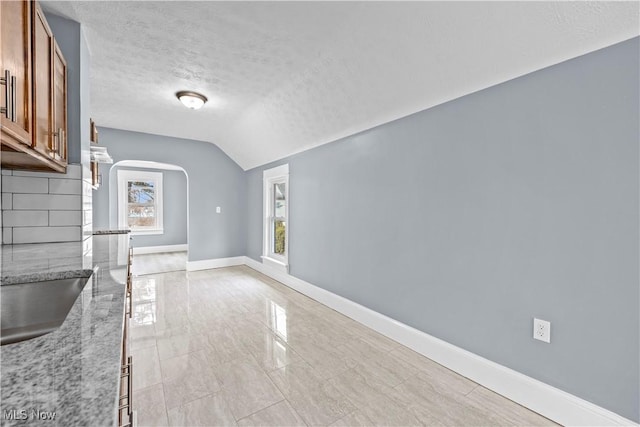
(15, 63)
(42, 84)
(59, 105)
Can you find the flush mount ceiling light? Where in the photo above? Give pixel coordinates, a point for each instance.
(192, 100)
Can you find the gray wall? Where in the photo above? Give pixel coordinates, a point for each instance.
(85, 99)
(174, 202)
(214, 180)
(468, 219)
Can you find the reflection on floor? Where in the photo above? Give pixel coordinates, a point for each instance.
(233, 347)
(159, 263)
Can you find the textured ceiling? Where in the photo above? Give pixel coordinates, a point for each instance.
(282, 77)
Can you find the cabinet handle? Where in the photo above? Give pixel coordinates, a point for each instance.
(131, 387)
(127, 372)
(130, 282)
(54, 142)
(129, 294)
(6, 82)
(14, 104)
(60, 141)
(58, 137)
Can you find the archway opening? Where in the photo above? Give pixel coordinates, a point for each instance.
(160, 248)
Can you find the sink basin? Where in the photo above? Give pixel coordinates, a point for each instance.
(30, 310)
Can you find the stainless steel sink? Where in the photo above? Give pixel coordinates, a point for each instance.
(30, 310)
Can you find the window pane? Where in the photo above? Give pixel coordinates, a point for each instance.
(141, 216)
(141, 209)
(279, 202)
(278, 237)
(141, 191)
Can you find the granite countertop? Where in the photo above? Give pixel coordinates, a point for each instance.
(75, 370)
(114, 231)
(44, 261)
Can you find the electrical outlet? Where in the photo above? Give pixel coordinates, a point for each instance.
(542, 330)
(218, 210)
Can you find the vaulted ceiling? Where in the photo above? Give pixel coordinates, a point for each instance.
(282, 77)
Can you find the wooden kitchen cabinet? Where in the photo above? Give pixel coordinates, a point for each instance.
(95, 175)
(59, 104)
(49, 92)
(45, 146)
(15, 72)
(42, 84)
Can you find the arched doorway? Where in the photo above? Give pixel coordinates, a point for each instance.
(160, 249)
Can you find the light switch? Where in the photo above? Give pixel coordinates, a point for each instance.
(218, 210)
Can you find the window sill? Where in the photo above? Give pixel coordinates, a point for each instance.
(146, 232)
(274, 263)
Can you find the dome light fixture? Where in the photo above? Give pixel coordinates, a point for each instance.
(193, 100)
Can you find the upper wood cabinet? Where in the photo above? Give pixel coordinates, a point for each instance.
(15, 71)
(43, 145)
(59, 104)
(42, 84)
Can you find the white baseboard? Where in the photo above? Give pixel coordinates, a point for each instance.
(553, 403)
(207, 264)
(158, 249)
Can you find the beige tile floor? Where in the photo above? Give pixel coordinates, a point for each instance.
(233, 347)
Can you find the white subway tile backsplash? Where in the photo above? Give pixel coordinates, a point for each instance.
(87, 230)
(46, 201)
(87, 252)
(7, 201)
(46, 234)
(87, 216)
(25, 218)
(7, 235)
(65, 186)
(46, 207)
(86, 174)
(57, 218)
(73, 171)
(21, 184)
(87, 189)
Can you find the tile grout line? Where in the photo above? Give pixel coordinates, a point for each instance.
(291, 406)
(285, 396)
(259, 410)
(472, 390)
(268, 378)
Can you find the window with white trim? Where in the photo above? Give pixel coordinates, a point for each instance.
(140, 201)
(276, 215)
